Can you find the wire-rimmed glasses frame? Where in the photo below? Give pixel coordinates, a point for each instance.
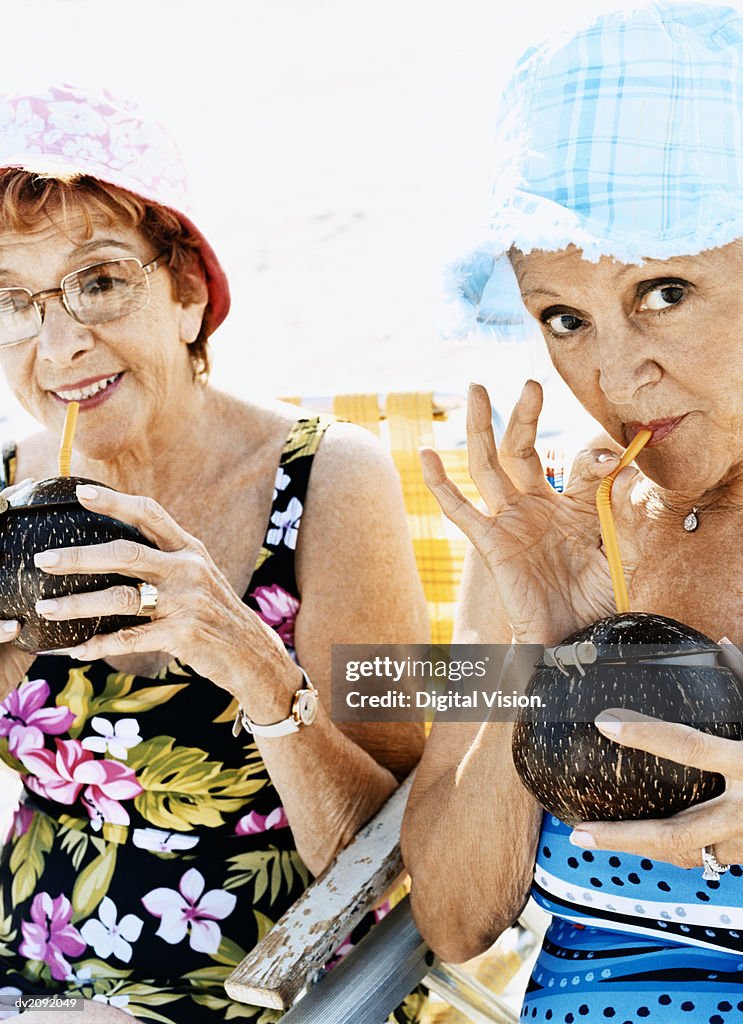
(25, 310)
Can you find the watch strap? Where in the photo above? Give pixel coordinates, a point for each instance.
(283, 728)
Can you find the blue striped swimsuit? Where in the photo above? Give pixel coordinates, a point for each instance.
(633, 941)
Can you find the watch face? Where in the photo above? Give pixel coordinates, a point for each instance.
(305, 710)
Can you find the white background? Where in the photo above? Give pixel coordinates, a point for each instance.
(340, 152)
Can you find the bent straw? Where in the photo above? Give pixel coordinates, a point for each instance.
(606, 521)
(68, 434)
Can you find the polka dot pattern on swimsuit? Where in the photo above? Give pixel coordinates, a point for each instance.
(674, 937)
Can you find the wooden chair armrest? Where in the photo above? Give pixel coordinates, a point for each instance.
(302, 941)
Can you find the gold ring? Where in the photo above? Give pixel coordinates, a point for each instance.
(147, 599)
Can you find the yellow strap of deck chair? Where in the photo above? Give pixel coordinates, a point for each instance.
(438, 546)
(361, 409)
(439, 552)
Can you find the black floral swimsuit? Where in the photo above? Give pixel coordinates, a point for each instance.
(150, 851)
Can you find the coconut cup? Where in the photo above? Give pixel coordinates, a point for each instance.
(48, 515)
(644, 663)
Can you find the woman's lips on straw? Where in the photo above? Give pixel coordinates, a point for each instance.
(660, 429)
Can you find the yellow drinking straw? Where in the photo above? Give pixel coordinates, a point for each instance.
(68, 434)
(606, 521)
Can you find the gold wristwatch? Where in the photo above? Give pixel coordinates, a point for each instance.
(305, 705)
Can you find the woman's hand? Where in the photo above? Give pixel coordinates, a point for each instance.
(680, 838)
(14, 663)
(542, 548)
(199, 618)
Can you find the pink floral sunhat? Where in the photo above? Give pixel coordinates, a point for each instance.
(66, 130)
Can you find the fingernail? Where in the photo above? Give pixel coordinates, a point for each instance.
(609, 724)
(584, 839)
(607, 457)
(86, 491)
(10, 626)
(46, 558)
(77, 652)
(49, 605)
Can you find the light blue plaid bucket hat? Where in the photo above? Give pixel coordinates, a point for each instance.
(624, 139)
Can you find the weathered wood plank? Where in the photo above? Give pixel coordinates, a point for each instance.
(276, 970)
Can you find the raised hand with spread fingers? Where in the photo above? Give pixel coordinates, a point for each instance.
(542, 548)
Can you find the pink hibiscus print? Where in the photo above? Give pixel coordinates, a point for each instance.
(253, 823)
(188, 911)
(62, 775)
(24, 719)
(277, 608)
(50, 936)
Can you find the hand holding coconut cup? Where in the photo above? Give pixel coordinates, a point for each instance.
(678, 839)
(543, 551)
(34, 517)
(72, 553)
(199, 619)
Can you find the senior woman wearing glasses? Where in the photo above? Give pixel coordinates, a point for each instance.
(159, 835)
(618, 225)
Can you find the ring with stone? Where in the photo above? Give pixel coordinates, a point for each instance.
(147, 599)
(712, 867)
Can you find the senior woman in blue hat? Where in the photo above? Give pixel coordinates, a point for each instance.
(617, 227)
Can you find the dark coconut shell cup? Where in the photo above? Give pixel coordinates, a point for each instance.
(644, 663)
(48, 515)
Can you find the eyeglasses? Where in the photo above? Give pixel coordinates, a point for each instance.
(93, 295)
